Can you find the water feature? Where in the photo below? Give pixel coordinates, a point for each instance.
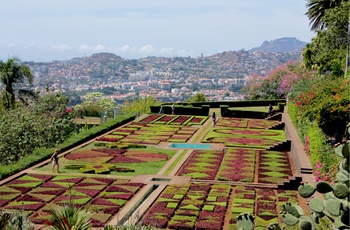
(189, 146)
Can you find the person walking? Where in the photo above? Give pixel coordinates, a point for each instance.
(213, 117)
(54, 159)
(270, 109)
(161, 111)
(172, 109)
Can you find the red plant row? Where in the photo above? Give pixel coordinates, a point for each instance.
(238, 165)
(197, 120)
(196, 195)
(108, 139)
(58, 193)
(165, 119)
(180, 120)
(194, 163)
(150, 118)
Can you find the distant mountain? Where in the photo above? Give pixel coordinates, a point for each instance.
(281, 45)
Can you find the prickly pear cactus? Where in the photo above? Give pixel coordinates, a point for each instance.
(245, 221)
(336, 204)
(274, 226)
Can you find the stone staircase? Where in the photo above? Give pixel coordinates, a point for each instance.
(276, 117)
(292, 183)
(279, 126)
(281, 146)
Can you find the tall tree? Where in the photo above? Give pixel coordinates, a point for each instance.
(326, 53)
(198, 97)
(316, 12)
(13, 72)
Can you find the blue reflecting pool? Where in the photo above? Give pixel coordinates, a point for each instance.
(189, 146)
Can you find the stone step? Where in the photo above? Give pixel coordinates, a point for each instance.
(306, 170)
(293, 182)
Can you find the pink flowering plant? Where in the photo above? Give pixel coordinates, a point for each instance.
(329, 176)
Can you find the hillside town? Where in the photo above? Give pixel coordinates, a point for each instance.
(218, 77)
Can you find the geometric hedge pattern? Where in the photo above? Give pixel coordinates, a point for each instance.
(36, 193)
(219, 190)
(204, 206)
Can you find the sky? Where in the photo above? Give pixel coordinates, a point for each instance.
(43, 31)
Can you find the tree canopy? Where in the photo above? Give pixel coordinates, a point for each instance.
(316, 12)
(326, 53)
(198, 97)
(13, 73)
(44, 123)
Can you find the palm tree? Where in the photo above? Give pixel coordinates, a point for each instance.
(69, 217)
(11, 73)
(316, 11)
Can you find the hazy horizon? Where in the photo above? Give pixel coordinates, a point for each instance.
(45, 31)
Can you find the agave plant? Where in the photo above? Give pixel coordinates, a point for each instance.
(69, 217)
(11, 220)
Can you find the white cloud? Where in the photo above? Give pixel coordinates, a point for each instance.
(146, 50)
(61, 47)
(124, 48)
(166, 50)
(98, 48)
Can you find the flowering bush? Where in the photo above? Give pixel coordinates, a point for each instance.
(329, 176)
(277, 84)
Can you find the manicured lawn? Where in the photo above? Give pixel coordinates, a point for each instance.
(128, 162)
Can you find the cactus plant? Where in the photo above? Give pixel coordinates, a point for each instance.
(306, 190)
(316, 205)
(306, 223)
(336, 205)
(293, 209)
(341, 191)
(289, 219)
(323, 187)
(274, 226)
(333, 206)
(245, 221)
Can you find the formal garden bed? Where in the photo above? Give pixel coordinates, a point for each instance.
(94, 159)
(246, 123)
(252, 138)
(206, 206)
(35, 194)
(174, 119)
(238, 165)
(135, 149)
(151, 134)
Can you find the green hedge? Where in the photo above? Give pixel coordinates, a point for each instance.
(41, 154)
(217, 104)
(180, 109)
